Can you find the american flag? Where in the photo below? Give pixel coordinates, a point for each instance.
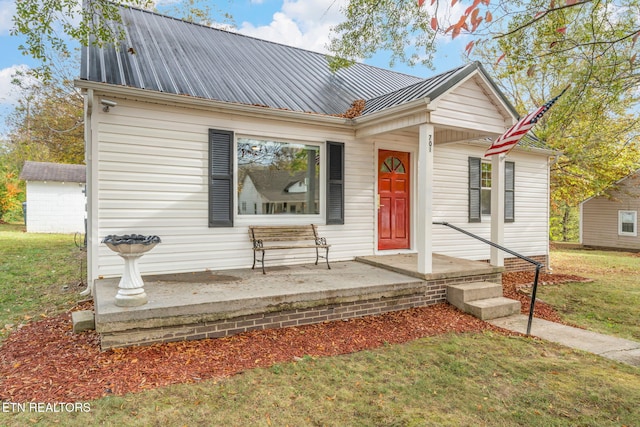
(510, 138)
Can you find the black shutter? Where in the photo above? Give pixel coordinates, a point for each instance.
(509, 191)
(220, 178)
(474, 189)
(335, 183)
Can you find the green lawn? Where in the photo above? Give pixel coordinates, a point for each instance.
(451, 380)
(611, 303)
(39, 275)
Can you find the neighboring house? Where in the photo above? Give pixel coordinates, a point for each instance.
(274, 191)
(56, 201)
(611, 221)
(390, 153)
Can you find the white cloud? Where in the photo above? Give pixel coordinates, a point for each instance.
(10, 93)
(7, 10)
(300, 23)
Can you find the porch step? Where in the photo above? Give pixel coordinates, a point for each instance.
(459, 295)
(493, 308)
(483, 300)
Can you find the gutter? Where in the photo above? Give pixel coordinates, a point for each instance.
(213, 105)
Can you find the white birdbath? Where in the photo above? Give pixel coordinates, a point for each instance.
(131, 247)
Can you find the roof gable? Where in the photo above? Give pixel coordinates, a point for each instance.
(58, 172)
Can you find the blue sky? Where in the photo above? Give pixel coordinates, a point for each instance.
(300, 23)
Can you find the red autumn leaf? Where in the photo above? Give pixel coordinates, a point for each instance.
(488, 17)
(562, 30)
(538, 15)
(476, 23)
(552, 5)
(632, 59)
(453, 2)
(469, 47)
(433, 2)
(434, 23)
(500, 58)
(472, 7)
(420, 3)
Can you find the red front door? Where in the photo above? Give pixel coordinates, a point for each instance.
(393, 200)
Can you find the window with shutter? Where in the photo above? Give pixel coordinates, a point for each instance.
(480, 190)
(335, 183)
(220, 178)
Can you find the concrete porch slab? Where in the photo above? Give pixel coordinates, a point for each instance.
(213, 295)
(443, 266)
(213, 304)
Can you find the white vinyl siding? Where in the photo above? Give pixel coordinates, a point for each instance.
(152, 164)
(469, 104)
(527, 235)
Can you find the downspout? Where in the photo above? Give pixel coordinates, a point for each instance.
(89, 187)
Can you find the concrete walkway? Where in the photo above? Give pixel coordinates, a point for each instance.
(619, 349)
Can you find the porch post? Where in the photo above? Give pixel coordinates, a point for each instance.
(424, 198)
(497, 208)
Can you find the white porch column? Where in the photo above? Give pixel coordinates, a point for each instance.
(497, 208)
(424, 200)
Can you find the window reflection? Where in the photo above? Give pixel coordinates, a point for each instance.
(276, 177)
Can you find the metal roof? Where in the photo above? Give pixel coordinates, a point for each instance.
(58, 172)
(169, 55)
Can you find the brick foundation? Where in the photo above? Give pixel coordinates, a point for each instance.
(516, 264)
(424, 294)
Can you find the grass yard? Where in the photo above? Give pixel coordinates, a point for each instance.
(449, 380)
(39, 275)
(470, 379)
(611, 303)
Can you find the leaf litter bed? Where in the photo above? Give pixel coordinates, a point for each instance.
(45, 361)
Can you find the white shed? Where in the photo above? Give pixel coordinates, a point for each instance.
(56, 201)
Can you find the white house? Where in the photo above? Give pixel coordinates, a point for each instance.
(56, 201)
(171, 112)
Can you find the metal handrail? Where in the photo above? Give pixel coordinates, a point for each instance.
(538, 265)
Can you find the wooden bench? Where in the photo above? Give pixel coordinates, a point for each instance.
(286, 237)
